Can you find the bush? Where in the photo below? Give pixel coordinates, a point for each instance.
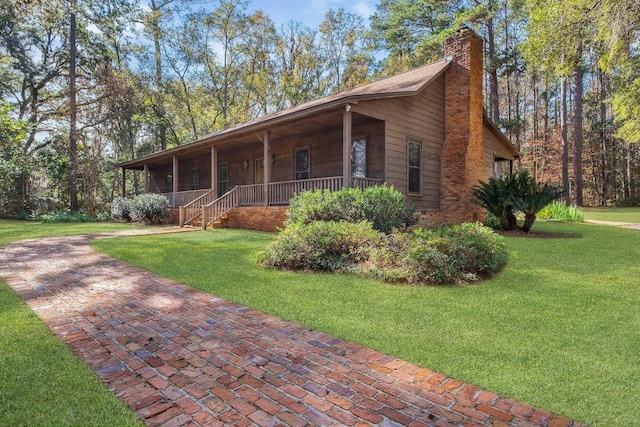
(65, 216)
(384, 207)
(149, 208)
(558, 211)
(459, 253)
(321, 246)
(120, 209)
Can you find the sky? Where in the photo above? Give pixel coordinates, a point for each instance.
(311, 12)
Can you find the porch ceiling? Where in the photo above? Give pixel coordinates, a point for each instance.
(318, 123)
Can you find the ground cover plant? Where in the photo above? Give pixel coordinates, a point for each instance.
(41, 382)
(557, 328)
(559, 211)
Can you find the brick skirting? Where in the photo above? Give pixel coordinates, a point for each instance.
(261, 218)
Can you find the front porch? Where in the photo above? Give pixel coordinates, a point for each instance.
(206, 210)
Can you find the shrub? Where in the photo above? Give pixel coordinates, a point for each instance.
(149, 208)
(559, 211)
(519, 192)
(120, 209)
(321, 246)
(384, 207)
(65, 216)
(458, 253)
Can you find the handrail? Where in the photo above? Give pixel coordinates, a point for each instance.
(219, 207)
(193, 209)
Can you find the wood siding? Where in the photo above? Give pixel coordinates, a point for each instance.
(419, 118)
(493, 149)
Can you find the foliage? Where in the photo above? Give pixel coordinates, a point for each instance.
(149, 209)
(559, 211)
(121, 209)
(65, 216)
(321, 246)
(383, 206)
(13, 166)
(504, 197)
(458, 253)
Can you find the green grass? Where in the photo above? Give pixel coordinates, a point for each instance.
(630, 215)
(41, 382)
(558, 328)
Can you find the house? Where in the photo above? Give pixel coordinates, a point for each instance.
(423, 131)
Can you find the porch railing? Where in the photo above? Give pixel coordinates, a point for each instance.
(183, 198)
(219, 207)
(280, 193)
(193, 209)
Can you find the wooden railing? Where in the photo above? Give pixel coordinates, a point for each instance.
(216, 209)
(280, 193)
(193, 209)
(182, 198)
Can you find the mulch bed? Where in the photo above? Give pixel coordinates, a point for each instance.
(536, 234)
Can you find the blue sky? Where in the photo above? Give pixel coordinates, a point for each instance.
(311, 12)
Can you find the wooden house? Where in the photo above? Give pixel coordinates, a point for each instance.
(423, 131)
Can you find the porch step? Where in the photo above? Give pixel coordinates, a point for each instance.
(222, 221)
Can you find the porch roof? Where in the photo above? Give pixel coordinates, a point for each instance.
(405, 84)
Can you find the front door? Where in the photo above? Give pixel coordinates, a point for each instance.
(259, 171)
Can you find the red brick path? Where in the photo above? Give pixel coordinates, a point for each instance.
(179, 357)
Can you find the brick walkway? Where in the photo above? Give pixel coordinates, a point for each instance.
(178, 356)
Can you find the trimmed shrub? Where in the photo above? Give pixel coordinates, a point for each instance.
(120, 209)
(321, 246)
(459, 253)
(149, 208)
(559, 211)
(384, 207)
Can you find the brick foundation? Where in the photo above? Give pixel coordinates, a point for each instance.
(261, 218)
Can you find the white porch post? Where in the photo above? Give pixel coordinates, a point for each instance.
(266, 142)
(346, 147)
(214, 170)
(146, 178)
(175, 178)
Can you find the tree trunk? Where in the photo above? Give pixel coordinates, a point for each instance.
(159, 95)
(577, 143)
(529, 219)
(73, 132)
(493, 73)
(565, 142)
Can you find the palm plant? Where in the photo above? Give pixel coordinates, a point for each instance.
(519, 192)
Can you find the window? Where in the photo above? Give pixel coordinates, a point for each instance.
(195, 178)
(223, 179)
(168, 183)
(359, 158)
(414, 156)
(302, 163)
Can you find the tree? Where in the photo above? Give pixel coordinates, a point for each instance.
(344, 44)
(14, 167)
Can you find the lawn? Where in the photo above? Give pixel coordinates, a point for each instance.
(41, 382)
(558, 328)
(631, 215)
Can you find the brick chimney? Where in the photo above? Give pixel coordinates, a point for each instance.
(462, 157)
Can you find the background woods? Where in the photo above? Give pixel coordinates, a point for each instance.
(85, 84)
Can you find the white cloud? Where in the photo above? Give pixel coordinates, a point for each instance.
(364, 8)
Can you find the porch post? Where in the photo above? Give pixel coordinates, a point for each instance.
(146, 178)
(346, 147)
(214, 171)
(175, 179)
(266, 142)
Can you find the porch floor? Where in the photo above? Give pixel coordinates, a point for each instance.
(179, 356)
